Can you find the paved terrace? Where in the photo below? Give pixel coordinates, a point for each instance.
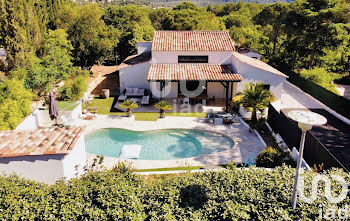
(218, 105)
(247, 144)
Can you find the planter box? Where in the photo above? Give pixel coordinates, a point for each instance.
(248, 115)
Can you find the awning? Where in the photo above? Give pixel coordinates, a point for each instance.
(192, 72)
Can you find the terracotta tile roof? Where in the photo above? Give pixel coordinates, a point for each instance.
(257, 63)
(192, 72)
(135, 59)
(39, 142)
(192, 41)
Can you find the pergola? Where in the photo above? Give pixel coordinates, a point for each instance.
(195, 72)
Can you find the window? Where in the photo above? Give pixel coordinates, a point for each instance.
(192, 59)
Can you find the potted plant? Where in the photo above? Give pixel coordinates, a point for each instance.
(129, 105)
(162, 106)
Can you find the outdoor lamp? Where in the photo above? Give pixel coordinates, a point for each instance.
(305, 119)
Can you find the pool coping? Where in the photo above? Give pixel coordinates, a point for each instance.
(208, 131)
(216, 158)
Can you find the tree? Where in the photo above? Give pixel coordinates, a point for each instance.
(57, 56)
(162, 106)
(158, 16)
(273, 15)
(15, 103)
(40, 74)
(313, 26)
(187, 16)
(242, 29)
(22, 27)
(91, 39)
(134, 24)
(256, 97)
(129, 105)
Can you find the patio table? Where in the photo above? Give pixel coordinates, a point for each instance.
(136, 100)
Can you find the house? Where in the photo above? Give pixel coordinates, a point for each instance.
(249, 52)
(43, 155)
(195, 64)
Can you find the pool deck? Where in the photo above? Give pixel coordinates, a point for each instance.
(246, 144)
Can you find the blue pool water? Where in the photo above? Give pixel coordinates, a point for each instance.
(157, 145)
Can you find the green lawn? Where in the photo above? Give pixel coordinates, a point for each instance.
(171, 169)
(104, 107)
(66, 105)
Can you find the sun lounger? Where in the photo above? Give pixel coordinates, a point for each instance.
(122, 98)
(145, 100)
(130, 151)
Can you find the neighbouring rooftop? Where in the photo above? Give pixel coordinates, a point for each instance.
(192, 41)
(246, 50)
(45, 141)
(135, 59)
(192, 72)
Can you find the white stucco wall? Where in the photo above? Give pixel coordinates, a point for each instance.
(254, 75)
(134, 76)
(44, 168)
(171, 57)
(144, 46)
(74, 162)
(217, 89)
(47, 168)
(169, 91)
(30, 122)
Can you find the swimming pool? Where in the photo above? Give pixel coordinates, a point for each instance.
(167, 144)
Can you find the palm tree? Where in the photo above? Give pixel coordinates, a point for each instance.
(162, 106)
(256, 97)
(129, 105)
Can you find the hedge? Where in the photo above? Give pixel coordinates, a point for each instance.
(333, 101)
(235, 194)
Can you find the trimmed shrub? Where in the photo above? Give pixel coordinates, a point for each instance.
(235, 194)
(74, 88)
(272, 157)
(332, 100)
(321, 77)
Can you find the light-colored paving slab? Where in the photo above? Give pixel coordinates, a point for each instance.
(246, 144)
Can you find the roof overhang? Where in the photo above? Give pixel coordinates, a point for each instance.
(193, 72)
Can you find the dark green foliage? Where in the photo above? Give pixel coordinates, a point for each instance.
(22, 28)
(333, 101)
(91, 39)
(272, 157)
(74, 88)
(15, 103)
(235, 194)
